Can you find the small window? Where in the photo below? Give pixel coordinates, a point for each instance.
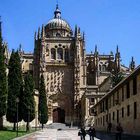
(103, 120)
(113, 116)
(100, 68)
(135, 110)
(103, 68)
(127, 91)
(58, 35)
(53, 53)
(113, 99)
(135, 86)
(106, 104)
(47, 35)
(117, 116)
(60, 53)
(128, 110)
(66, 55)
(92, 111)
(47, 47)
(107, 118)
(122, 93)
(92, 100)
(122, 112)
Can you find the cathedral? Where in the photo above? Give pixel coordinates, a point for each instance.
(74, 80)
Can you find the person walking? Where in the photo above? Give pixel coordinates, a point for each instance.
(109, 127)
(82, 133)
(119, 131)
(92, 132)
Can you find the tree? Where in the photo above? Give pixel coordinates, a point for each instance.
(28, 103)
(14, 89)
(3, 81)
(116, 78)
(42, 107)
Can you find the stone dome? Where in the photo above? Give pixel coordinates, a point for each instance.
(58, 23)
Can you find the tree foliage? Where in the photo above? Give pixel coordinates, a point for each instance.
(14, 88)
(116, 78)
(42, 107)
(3, 79)
(28, 103)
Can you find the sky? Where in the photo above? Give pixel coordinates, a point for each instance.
(106, 23)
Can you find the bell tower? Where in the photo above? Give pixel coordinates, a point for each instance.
(60, 57)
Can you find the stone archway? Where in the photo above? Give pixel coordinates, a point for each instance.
(58, 115)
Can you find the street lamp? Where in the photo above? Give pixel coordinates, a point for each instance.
(28, 123)
(17, 101)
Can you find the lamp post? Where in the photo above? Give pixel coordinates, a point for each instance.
(17, 101)
(28, 118)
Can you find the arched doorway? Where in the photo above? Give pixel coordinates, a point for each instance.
(58, 115)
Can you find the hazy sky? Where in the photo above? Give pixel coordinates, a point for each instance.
(107, 23)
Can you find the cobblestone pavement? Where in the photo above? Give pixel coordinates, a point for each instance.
(54, 134)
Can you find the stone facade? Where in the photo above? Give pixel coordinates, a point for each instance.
(121, 104)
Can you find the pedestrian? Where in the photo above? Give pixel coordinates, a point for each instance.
(119, 131)
(82, 133)
(109, 127)
(92, 132)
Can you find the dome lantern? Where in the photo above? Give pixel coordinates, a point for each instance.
(57, 25)
(57, 13)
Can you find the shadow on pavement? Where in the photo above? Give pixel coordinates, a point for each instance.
(111, 136)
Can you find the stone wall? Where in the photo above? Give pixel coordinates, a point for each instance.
(118, 106)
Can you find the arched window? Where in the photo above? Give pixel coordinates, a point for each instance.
(58, 35)
(66, 55)
(59, 53)
(47, 47)
(103, 68)
(100, 68)
(53, 53)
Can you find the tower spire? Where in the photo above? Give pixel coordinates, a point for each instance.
(35, 36)
(132, 64)
(57, 2)
(76, 30)
(43, 32)
(96, 50)
(83, 36)
(117, 59)
(38, 36)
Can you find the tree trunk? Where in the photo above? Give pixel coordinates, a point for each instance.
(1, 123)
(42, 125)
(27, 126)
(14, 126)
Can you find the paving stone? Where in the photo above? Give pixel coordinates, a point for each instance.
(54, 134)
